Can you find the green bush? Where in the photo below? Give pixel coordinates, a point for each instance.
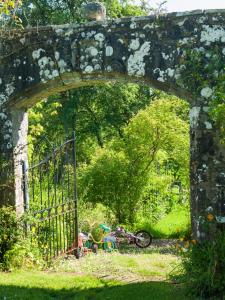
(16, 249)
(10, 231)
(24, 254)
(204, 267)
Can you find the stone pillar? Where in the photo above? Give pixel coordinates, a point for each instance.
(13, 137)
(207, 173)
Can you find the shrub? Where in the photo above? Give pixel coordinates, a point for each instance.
(16, 249)
(10, 230)
(204, 267)
(25, 253)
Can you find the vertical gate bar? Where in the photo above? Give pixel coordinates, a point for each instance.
(48, 172)
(50, 233)
(53, 231)
(70, 213)
(54, 175)
(63, 230)
(54, 203)
(63, 218)
(56, 229)
(33, 182)
(68, 197)
(75, 195)
(69, 223)
(25, 185)
(40, 182)
(25, 191)
(60, 202)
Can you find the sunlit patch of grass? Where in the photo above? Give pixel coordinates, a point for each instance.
(149, 273)
(41, 285)
(140, 266)
(174, 225)
(97, 277)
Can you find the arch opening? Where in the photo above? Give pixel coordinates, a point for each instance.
(149, 49)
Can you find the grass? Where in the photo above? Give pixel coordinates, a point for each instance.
(133, 275)
(39, 285)
(174, 225)
(129, 266)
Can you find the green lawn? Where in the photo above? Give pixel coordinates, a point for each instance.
(132, 276)
(41, 286)
(143, 265)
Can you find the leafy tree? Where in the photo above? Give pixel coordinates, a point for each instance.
(97, 112)
(41, 12)
(118, 175)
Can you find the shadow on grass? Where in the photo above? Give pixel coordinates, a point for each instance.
(132, 291)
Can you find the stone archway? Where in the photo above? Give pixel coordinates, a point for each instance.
(38, 62)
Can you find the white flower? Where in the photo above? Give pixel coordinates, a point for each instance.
(206, 92)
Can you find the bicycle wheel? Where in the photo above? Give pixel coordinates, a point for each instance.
(143, 239)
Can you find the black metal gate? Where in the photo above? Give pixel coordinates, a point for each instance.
(50, 198)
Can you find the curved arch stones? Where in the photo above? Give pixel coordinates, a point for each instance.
(38, 62)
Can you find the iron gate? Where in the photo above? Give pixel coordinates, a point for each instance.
(50, 198)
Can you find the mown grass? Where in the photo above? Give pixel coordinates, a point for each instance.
(132, 275)
(140, 266)
(40, 285)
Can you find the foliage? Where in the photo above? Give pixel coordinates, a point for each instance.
(6, 178)
(8, 13)
(10, 231)
(43, 12)
(94, 112)
(203, 265)
(161, 194)
(23, 254)
(127, 162)
(6, 6)
(16, 249)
